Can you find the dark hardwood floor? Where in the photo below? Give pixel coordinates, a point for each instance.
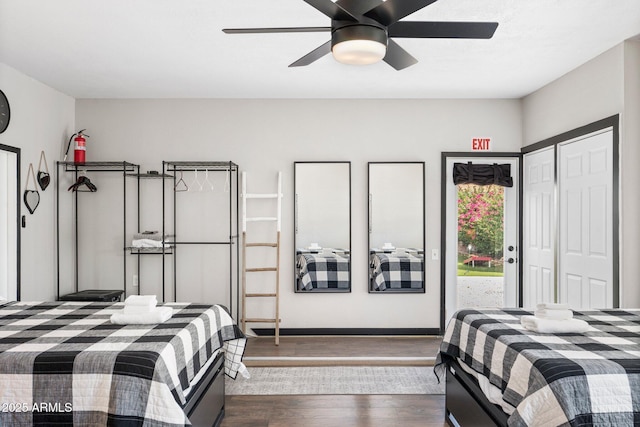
(338, 410)
(344, 346)
(335, 411)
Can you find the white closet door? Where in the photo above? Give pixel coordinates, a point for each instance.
(539, 228)
(5, 243)
(585, 185)
(8, 227)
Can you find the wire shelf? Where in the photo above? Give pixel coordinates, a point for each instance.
(150, 251)
(99, 166)
(151, 175)
(200, 165)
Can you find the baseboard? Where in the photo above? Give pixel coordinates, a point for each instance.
(346, 331)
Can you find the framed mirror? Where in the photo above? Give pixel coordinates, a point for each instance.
(9, 223)
(396, 227)
(322, 221)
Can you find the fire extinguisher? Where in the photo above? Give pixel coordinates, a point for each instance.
(80, 147)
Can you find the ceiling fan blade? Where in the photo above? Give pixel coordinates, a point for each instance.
(360, 6)
(397, 57)
(394, 10)
(275, 30)
(314, 55)
(443, 30)
(332, 10)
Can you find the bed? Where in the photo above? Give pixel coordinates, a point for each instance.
(64, 363)
(391, 271)
(499, 373)
(323, 271)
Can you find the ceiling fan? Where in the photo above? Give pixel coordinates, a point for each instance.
(362, 31)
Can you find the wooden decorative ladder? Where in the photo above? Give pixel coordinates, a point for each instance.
(276, 245)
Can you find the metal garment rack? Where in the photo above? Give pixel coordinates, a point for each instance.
(117, 167)
(138, 252)
(174, 168)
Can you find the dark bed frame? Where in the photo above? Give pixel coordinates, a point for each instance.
(205, 407)
(466, 405)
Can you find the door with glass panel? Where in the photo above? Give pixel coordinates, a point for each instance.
(481, 236)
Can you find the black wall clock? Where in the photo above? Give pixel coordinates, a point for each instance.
(5, 112)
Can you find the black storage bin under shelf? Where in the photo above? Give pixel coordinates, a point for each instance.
(94, 295)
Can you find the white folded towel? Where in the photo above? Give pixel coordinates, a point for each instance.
(157, 315)
(146, 243)
(554, 314)
(551, 326)
(141, 300)
(140, 304)
(138, 309)
(150, 235)
(552, 306)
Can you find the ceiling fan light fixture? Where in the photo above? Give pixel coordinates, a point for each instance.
(359, 52)
(359, 44)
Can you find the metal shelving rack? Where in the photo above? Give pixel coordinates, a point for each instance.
(165, 250)
(229, 167)
(123, 167)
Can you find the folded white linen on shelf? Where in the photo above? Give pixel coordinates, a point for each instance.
(157, 315)
(554, 314)
(552, 306)
(150, 235)
(146, 243)
(552, 326)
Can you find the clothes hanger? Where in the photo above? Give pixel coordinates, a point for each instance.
(83, 180)
(206, 179)
(196, 181)
(181, 185)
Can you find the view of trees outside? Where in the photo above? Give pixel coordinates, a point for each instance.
(480, 229)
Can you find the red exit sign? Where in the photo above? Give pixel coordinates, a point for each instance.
(481, 144)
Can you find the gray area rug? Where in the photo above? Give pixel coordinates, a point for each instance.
(337, 380)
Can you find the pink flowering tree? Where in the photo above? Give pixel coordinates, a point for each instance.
(481, 218)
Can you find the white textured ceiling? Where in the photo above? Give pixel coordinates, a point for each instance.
(176, 49)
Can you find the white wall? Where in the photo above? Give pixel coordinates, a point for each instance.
(605, 86)
(587, 94)
(41, 119)
(630, 178)
(264, 136)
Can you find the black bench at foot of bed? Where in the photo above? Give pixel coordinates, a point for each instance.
(466, 405)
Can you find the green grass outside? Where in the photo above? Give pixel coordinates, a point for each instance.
(478, 271)
(483, 270)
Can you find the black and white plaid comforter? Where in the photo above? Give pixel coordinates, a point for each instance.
(396, 272)
(64, 363)
(322, 272)
(590, 379)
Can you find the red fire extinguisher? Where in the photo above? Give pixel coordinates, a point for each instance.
(80, 147)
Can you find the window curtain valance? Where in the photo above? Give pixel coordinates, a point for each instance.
(479, 174)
